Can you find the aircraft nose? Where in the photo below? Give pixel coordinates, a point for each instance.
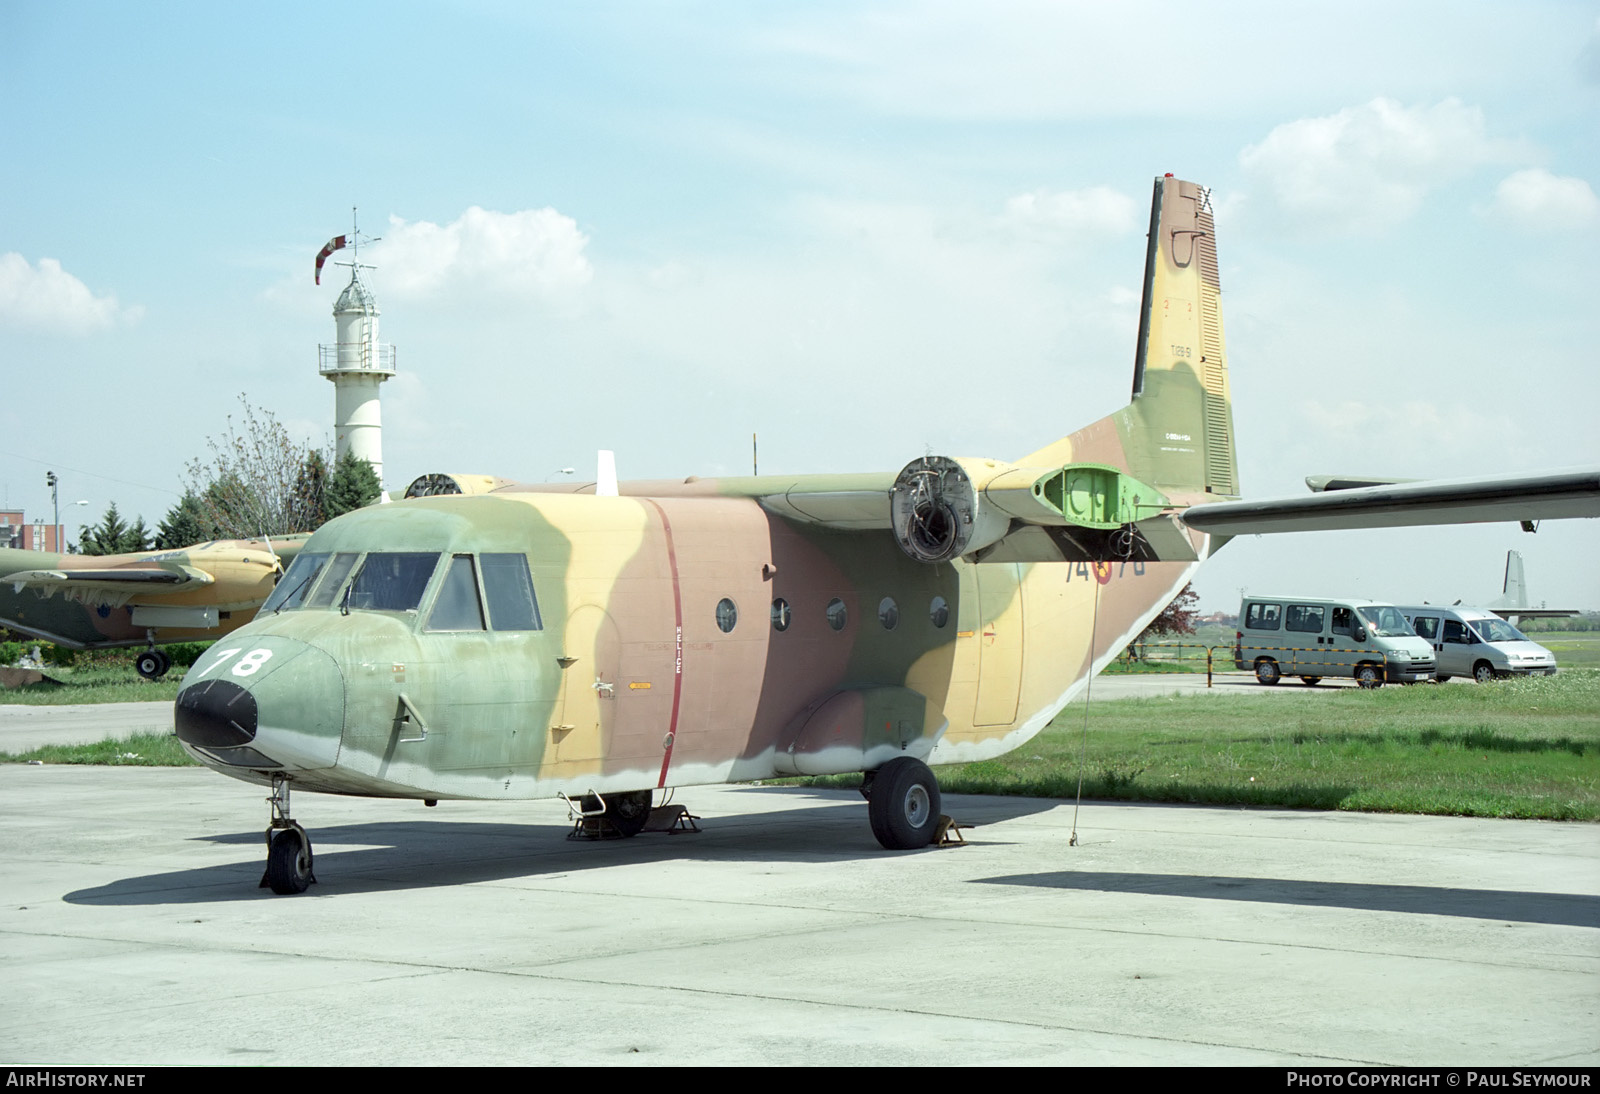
(215, 714)
(274, 704)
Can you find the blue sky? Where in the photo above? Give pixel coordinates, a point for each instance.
(862, 230)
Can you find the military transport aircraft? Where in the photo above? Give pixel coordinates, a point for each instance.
(100, 601)
(602, 642)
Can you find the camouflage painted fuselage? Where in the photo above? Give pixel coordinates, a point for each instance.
(709, 631)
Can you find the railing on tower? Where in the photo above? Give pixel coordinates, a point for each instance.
(355, 357)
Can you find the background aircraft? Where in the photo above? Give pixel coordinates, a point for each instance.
(535, 641)
(99, 601)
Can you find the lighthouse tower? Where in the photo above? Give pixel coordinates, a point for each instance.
(357, 363)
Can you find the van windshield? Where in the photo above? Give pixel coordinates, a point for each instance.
(1385, 622)
(1498, 630)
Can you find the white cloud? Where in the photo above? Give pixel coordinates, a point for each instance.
(46, 297)
(1095, 210)
(1537, 200)
(1368, 167)
(532, 252)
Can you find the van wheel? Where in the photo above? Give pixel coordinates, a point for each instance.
(1440, 678)
(1267, 671)
(1369, 676)
(1483, 672)
(1311, 681)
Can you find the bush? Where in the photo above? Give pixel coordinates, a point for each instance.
(12, 652)
(60, 656)
(186, 653)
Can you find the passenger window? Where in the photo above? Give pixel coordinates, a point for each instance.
(836, 614)
(781, 614)
(727, 615)
(391, 581)
(457, 608)
(1344, 621)
(939, 612)
(332, 578)
(1427, 626)
(1303, 617)
(1262, 617)
(508, 585)
(888, 613)
(1456, 632)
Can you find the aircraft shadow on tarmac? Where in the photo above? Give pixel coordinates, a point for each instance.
(1563, 909)
(430, 853)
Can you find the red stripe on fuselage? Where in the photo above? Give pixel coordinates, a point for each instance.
(677, 651)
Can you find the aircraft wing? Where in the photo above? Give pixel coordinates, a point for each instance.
(1546, 496)
(111, 583)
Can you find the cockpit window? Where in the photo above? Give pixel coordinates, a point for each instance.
(509, 588)
(391, 581)
(295, 583)
(333, 577)
(457, 607)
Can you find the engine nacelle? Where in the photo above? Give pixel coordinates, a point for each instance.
(938, 513)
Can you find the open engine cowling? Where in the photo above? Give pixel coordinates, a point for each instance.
(938, 513)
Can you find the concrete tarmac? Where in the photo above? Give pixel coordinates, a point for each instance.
(132, 931)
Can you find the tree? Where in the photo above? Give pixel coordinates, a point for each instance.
(1176, 618)
(254, 482)
(113, 535)
(185, 524)
(310, 493)
(352, 485)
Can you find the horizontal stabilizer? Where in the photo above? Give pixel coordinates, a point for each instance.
(1546, 496)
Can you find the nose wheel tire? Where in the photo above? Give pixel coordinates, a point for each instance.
(903, 804)
(288, 862)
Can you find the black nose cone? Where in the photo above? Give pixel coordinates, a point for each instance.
(215, 714)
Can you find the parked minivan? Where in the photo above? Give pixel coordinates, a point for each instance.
(1282, 636)
(1477, 643)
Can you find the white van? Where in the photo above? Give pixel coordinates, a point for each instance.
(1477, 643)
(1282, 636)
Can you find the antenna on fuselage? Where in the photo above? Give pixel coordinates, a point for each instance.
(605, 483)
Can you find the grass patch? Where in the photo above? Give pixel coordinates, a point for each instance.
(139, 750)
(1517, 748)
(96, 684)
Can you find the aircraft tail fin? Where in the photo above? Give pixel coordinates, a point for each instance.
(1514, 591)
(1177, 431)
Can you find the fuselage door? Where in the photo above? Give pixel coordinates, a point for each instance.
(999, 637)
(590, 650)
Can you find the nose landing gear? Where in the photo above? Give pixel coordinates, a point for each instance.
(288, 846)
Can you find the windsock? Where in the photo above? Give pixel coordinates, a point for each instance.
(334, 244)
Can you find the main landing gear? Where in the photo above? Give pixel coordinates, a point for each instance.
(152, 664)
(288, 846)
(903, 804)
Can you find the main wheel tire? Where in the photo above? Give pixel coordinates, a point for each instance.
(1369, 676)
(1483, 672)
(628, 813)
(152, 664)
(288, 862)
(1311, 681)
(905, 803)
(1267, 671)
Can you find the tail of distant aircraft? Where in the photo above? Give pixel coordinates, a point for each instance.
(1514, 591)
(1177, 432)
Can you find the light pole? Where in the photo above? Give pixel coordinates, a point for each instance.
(55, 500)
